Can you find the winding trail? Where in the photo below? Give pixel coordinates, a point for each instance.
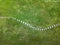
(30, 26)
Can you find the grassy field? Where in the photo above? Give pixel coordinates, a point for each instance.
(36, 12)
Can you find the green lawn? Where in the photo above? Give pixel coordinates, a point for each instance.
(35, 12)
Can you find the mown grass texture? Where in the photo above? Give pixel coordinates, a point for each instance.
(37, 13)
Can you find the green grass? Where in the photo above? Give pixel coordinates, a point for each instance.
(37, 13)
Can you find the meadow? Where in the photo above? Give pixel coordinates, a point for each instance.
(38, 13)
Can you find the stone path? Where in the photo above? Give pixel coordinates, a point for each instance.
(32, 27)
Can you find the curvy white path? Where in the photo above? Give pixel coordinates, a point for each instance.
(30, 26)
